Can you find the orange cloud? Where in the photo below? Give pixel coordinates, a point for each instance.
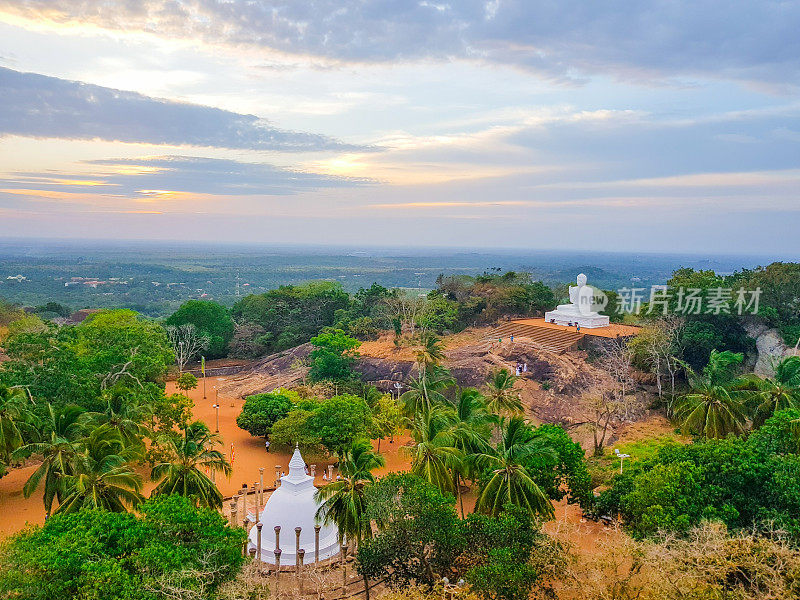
(50, 194)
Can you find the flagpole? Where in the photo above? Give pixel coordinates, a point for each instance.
(203, 368)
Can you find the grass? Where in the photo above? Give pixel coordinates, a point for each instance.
(603, 468)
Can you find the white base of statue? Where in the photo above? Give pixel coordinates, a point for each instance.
(569, 318)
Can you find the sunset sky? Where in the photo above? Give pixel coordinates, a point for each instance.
(629, 125)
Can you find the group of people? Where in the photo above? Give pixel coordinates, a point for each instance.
(500, 340)
(522, 367)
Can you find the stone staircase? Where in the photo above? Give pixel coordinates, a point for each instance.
(546, 338)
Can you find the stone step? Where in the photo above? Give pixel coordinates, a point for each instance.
(554, 340)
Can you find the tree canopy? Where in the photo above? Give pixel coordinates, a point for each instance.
(739, 481)
(261, 411)
(338, 421)
(333, 356)
(212, 320)
(171, 547)
(74, 364)
(291, 314)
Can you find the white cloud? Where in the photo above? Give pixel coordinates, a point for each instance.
(740, 39)
(47, 107)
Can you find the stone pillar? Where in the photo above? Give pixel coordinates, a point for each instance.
(277, 570)
(300, 556)
(259, 526)
(330, 472)
(246, 530)
(344, 569)
(277, 476)
(234, 519)
(261, 488)
(277, 537)
(256, 503)
(297, 531)
(246, 524)
(316, 542)
(243, 494)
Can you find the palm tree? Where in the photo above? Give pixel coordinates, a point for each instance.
(14, 420)
(767, 396)
(430, 353)
(58, 453)
(434, 456)
(472, 421)
(102, 475)
(371, 395)
(432, 379)
(343, 502)
(123, 413)
(182, 473)
(508, 479)
(713, 408)
(426, 391)
(470, 429)
(501, 397)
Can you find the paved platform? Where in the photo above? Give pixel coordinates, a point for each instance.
(614, 330)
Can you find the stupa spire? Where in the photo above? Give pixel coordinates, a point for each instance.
(297, 466)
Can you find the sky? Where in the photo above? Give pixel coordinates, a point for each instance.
(633, 125)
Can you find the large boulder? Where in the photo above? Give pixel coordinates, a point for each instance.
(769, 345)
(382, 369)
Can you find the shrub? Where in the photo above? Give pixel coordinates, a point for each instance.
(186, 381)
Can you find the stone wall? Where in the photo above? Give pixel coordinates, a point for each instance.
(219, 371)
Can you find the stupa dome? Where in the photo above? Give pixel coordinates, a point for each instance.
(293, 505)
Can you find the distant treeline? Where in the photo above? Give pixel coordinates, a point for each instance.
(291, 315)
(263, 323)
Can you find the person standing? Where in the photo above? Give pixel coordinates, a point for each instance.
(266, 445)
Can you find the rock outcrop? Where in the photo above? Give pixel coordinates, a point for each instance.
(769, 345)
(281, 369)
(554, 389)
(382, 370)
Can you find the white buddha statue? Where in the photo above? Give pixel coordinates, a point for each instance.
(581, 310)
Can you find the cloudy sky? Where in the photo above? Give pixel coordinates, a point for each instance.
(661, 125)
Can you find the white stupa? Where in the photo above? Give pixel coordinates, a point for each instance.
(293, 505)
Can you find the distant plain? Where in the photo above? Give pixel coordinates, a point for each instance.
(154, 278)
